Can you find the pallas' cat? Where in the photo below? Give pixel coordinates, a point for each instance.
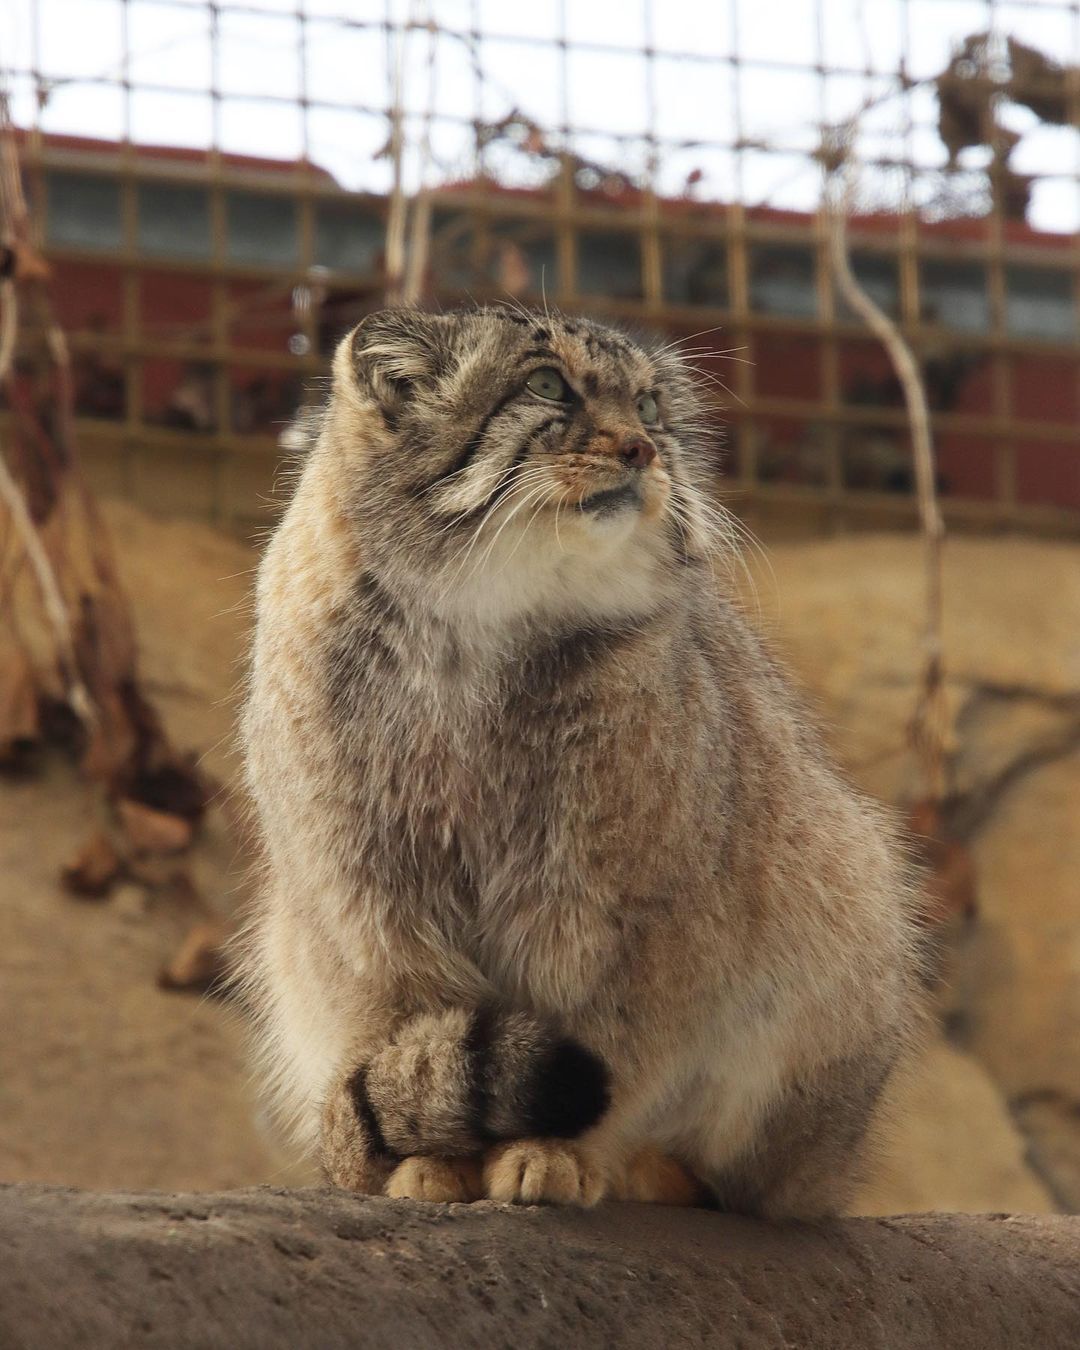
(561, 896)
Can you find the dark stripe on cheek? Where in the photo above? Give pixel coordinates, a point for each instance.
(476, 440)
(365, 1113)
(522, 452)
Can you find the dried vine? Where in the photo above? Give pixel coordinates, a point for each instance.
(930, 722)
(69, 638)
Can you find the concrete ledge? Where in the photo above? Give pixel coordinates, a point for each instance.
(267, 1268)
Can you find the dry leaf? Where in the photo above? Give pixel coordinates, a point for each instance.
(200, 961)
(19, 724)
(94, 868)
(150, 831)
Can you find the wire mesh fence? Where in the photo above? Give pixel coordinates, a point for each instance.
(224, 188)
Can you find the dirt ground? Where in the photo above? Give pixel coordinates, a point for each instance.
(107, 1081)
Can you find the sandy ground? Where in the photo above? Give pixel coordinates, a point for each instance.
(105, 1079)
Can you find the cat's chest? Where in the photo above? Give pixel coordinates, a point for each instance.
(493, 805)
(468, 777)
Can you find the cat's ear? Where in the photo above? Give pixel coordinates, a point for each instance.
(397, 351)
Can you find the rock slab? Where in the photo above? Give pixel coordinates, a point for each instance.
(271, 1268)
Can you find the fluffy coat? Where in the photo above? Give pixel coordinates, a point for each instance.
(562, 896)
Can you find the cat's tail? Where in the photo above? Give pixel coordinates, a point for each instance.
(452, 1082)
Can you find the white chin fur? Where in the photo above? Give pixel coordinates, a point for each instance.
(588, 534)
(579, 567)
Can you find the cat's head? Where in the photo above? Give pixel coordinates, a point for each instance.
(504, 464)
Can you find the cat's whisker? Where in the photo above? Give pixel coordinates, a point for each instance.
(446, 479)
(717, 383)
(512, 302)
(717, 353)
(545, 500)
(676, 342)
(480, 563)
(519, 485)
(732, 534)
(558, 507)
(501, 497)
(455, 520)
(541, 492)
(744, 535)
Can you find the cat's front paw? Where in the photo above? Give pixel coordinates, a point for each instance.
(539, 1171)
(444, 1181)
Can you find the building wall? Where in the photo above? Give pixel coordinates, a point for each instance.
(203, 298)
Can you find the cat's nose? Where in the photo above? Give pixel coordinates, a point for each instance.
(637, 452)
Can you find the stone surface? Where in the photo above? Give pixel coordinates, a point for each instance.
(273, 1269)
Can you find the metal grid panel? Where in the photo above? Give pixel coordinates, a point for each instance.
(656, 163)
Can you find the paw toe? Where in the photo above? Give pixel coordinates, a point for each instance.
(542, 1171)
(438, 1180)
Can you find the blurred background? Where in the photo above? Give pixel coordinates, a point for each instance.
(198, 199)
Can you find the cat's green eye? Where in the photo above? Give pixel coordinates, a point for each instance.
(647, 410)
(548, 383)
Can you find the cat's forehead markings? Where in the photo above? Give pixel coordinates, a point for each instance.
(594, 360)
(610, 367)
(599, 358)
